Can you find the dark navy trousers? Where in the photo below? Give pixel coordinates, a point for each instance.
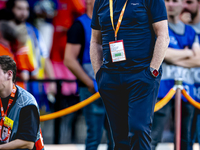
(129, 99)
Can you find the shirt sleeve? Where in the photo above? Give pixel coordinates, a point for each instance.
(76, 33)
(28, 124)
(95, 19)
(23, 61)
(157, 10)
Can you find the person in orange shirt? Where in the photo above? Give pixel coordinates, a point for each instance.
(7, 35)
(36, 49)
(67, 11)
(5, 49)
(12, 43)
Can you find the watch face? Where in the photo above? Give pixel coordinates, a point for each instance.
(155, 73)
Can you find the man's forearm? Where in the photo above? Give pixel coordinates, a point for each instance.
(159, 51)
(75, 67)
(49, 69)
(96, 55)
(173, 55)
(189, 63)
(17, 144)
(192, 60)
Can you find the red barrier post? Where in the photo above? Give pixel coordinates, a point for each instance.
(177, 143)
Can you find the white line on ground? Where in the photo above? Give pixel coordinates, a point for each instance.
(163, 146)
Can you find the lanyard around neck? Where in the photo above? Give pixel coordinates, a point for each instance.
(120, 17)
(12, 95)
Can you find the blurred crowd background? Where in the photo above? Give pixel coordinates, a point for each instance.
(34, 34)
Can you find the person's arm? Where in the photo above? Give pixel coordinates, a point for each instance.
(17, 144)
(71, 61)
(48, 68)
(192, 61)
(189, 63)
(162, 41)
(96, 52)
(173, 55)
(28, 128)
(50, 75)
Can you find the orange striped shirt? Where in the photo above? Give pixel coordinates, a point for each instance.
(68, 10)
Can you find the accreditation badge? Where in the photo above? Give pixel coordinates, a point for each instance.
(117, 51)
(7, 128)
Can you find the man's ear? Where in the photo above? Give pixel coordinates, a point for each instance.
(10, 75)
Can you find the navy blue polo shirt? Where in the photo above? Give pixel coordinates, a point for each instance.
(136, 30)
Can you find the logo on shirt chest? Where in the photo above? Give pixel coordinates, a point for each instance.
(134, 4)
(173, 40)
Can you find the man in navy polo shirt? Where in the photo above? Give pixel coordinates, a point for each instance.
(128, 45)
